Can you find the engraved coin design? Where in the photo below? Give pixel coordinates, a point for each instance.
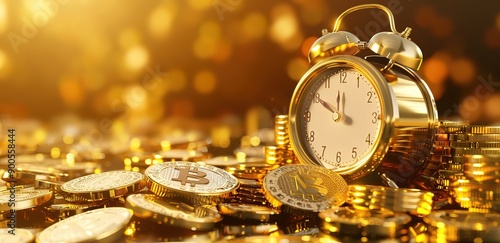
(305, 188)
(172, 212)
(23, 199)
(190, 178)
(101, 186)
(91, 226)
(21, 236)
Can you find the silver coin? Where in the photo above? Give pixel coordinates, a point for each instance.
(188, 177)
(91, 226)
(102, 182)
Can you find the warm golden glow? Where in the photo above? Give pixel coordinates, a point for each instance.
(161, 19)
(284, 28)
(3, 17)
(177, 80)
(254, 26)
(463, 71)
(296, 68)
(136, 58)
(205, 82)
(200, 4)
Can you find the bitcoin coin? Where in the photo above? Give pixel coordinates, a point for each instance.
(195, 182)
(18, 236)
(173, 213)
(102, 186)
(104, 224)
(304, 188)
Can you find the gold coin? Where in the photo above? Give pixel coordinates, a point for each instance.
(478, 129)
(23, 199)
(104, 224)
(248, 211)
(463, 226)
(348, 221)
(304, 188)
(179, 155)
(222, 161)
(400, 200)
(249, 230)
(281, 134)
(173, 212)
(17, 236)
(102, 186)
(274, 239)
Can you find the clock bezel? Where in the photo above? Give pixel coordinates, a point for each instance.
(388, 106)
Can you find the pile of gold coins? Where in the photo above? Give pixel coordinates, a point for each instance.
(466, 159)
(178, 191)
(282, 152)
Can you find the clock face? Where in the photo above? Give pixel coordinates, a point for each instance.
(339, 118)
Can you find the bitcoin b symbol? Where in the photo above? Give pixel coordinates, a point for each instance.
(191, 175)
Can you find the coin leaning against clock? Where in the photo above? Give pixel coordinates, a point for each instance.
(196, 182)
(102, 186)
(90, 226)
(305, 189)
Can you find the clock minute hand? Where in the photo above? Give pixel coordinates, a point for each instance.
(328, 106)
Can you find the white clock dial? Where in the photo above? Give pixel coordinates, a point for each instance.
(340, 118)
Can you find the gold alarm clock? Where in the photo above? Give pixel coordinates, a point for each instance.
(356, 115)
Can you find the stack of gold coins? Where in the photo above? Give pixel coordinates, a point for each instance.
(462, 226)
(444, 158)
(399, 200)
(480, 191)
(250, 174)
(281, 153)
(249, 192)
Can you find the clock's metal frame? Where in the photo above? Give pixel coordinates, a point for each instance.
(406, 104)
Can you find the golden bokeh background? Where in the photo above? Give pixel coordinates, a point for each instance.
(146, 61)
